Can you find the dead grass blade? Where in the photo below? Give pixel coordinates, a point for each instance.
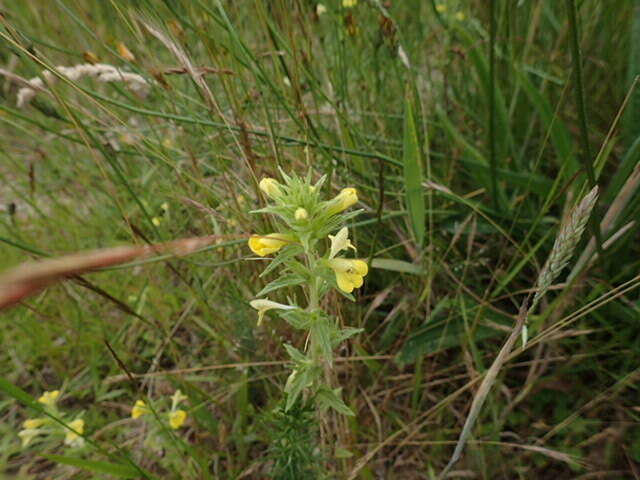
(31, 277)
(485, 388)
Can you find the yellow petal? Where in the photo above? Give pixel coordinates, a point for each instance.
(32, 423)
(346, 198)
(270, 187)
(49, 398)
(72, 437)
(263, 245)
(344, 282)
(349, 273)
(361, 268)
(177, 418)
(356, 280)
(139, 409)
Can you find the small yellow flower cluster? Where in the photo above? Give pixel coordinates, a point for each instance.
(42, 426)
(349, 273)
(175, 417)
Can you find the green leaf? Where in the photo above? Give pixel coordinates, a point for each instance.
(284, 281)
(397, 266)
(343, 453)
(296, 355)
(19, 394)
(414, 194)
(299, 319)
(303, 377)
(117, 470)
(328, 398)
(285, 254)
(321, 333)
(344, 334)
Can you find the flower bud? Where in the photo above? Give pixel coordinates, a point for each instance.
(346, 198)
(301, 214)
(270, 187)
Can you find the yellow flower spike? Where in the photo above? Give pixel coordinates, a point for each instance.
(460, 16)
(177, 418)
(346, 198)
(49, 398)
(301, 214)
(139, 409)
(33, 423)
(349, 273)
(441, 8)
(262, 305)
(266, 244)
(349, 3)
(73, 438)
(270, 187)
(340, 242)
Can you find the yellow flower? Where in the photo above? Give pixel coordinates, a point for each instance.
(33, 423)
(346, 198)
(176, 398)
(270, 187)
(125, 52)
(49, 398)
(340, 242)
(73, 438)
(139, 409)
(301, 214)
(262, 305)
(349, 3)
(460, 16)
(266, 244)
(320, 9)
(27, 435)
(177, 418)
(441, 8)
(349, 273)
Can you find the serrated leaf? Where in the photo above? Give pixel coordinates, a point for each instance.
(321, 333)
(303, 377)
(327, 398)
(296, 355)
(298, 319)
(344, 334)
(412, 161)
(284, 281)
(285, 254)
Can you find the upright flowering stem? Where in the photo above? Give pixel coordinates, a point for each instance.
(307, 222)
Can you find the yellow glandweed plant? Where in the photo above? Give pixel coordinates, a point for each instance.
(46, 428)
(309, 249)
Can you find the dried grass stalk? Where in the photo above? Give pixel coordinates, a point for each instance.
(566, 242)
(100, 71)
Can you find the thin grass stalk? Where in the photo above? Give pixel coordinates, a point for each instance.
(578, 88)
(566, 242)
(492, 101)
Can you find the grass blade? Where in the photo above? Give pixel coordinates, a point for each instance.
(414, 193)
